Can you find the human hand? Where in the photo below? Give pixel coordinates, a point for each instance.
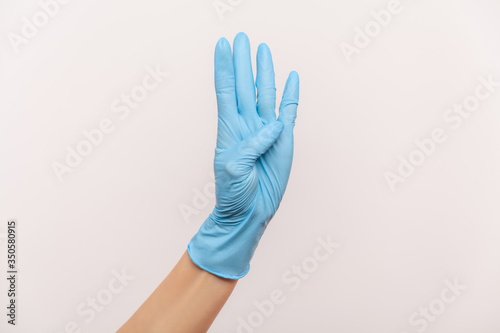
(253, 158)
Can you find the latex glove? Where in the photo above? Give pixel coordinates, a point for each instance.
(252, 161)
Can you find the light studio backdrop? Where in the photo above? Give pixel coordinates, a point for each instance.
(390, 222)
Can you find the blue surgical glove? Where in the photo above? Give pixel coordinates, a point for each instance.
(252, 161)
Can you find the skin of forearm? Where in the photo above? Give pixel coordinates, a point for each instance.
(187, 301)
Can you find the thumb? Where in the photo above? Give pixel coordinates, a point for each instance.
(257, 144)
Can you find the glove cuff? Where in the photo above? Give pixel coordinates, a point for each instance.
(224, 250)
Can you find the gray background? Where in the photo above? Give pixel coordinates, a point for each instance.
(121, 207)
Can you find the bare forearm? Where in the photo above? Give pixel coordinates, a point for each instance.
(188, 300)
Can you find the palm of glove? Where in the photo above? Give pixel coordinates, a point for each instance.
(254, 151)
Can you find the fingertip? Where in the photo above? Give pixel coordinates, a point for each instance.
(222, 43)
(222, 51)
(241, 37)
(267, 136)
(264, 55)
(263, 48)
(292, 85)
(277, 126)
(241, 50)
(293, 78)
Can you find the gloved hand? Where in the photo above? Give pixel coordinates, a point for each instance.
(253, 158)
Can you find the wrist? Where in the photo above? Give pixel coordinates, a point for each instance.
(225, 248)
